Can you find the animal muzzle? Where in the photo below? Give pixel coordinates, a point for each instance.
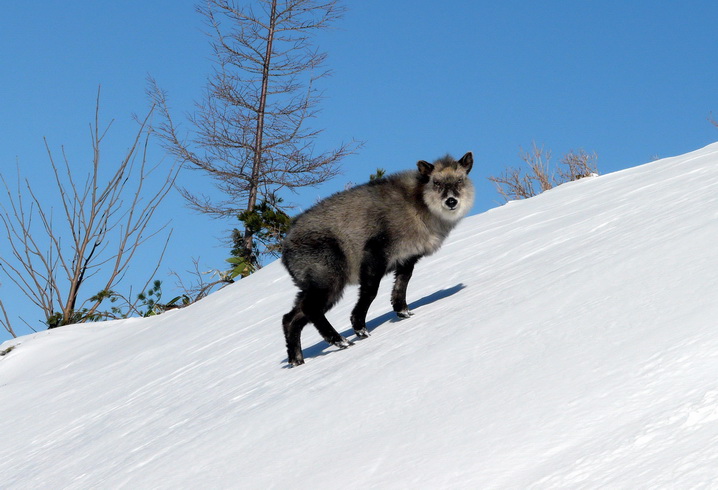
(451, 202)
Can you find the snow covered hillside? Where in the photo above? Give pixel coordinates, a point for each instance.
(570, 340)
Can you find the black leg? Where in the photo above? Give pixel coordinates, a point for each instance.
(310, 306)
(367, 293)
(372, 270)
(398, 294)
(293, 323)
(315, 303)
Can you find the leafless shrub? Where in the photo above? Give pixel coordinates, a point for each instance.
(576, 165)
(538, 175)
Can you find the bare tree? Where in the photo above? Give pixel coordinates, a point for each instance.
(102, 224)
(538, 175)
(250, 133)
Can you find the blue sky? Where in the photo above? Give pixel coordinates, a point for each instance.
(416, 79)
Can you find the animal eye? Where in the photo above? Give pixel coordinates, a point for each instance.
(460, 181)
(437, 185)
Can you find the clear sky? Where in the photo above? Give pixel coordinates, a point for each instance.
(413, 79)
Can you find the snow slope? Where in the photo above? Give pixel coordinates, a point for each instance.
(570, 340)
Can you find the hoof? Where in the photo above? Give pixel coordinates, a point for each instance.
(406, 313)
(343, 343)
(362, 334)
(295, 362)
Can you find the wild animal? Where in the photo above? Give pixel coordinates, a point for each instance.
(359, 235)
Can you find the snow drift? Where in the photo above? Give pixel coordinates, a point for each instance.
(570, 340)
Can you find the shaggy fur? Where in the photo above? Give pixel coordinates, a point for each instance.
(359, 235)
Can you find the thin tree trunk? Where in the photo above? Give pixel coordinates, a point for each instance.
(258, 145)
(251, 132)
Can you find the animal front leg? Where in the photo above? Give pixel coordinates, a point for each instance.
(367, 293)
(373, 269)
(398, 294)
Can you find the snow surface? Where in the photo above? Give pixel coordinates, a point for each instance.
(566, 341)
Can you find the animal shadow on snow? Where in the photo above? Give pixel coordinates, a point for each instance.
(318, 349)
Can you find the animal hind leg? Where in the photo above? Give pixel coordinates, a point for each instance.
(314, 305)
(293, 323)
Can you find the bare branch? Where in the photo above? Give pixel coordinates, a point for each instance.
(5, 321)
(200, 287)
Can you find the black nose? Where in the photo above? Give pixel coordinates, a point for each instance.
(452, 202)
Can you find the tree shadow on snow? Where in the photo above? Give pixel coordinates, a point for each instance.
(322, 348)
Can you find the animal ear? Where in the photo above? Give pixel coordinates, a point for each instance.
(467, 161)
(425, 168)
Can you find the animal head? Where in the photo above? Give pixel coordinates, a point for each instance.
(448, 192)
